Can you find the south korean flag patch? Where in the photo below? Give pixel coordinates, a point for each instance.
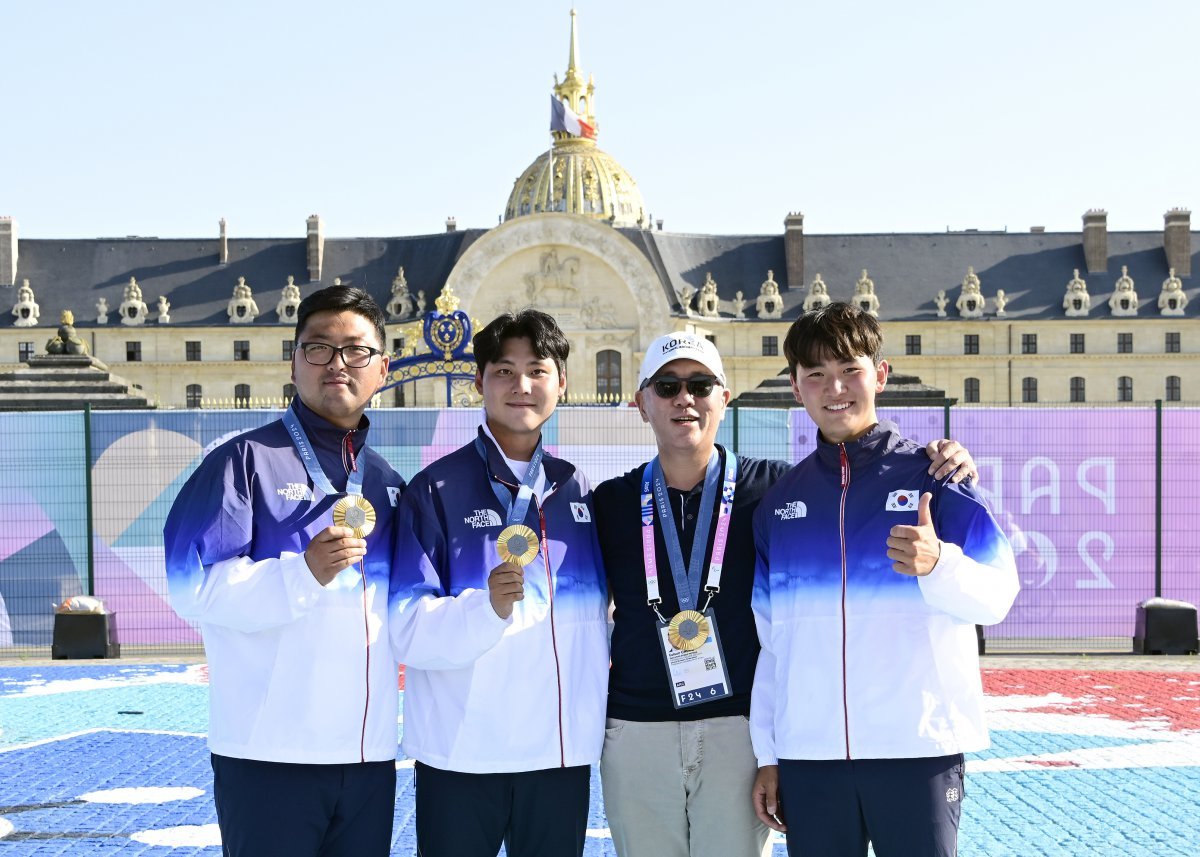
(902, 501)
(581, 513)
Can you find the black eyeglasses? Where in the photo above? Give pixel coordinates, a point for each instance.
(353, 356)
(667, 386)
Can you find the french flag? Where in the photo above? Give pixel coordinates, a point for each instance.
(563, 118)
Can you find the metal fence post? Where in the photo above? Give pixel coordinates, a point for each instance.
(1158, 496)
(87, 477)
(733, 406)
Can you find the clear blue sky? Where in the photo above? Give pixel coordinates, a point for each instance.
(386, 117)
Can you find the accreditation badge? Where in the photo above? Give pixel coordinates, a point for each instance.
(695, 662)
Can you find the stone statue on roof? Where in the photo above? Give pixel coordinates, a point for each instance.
(769, 304)
(241, 308)
(67, 341)
(25, 309)
(133, 309)
(940, 302)
(739, 304)
(1001, 303)
(1124, 300)
(102, 310)
(818, 295)
(864, 295)
(1077, 301)
(685, 293)
(970, 303)
(164, 310)
(401, 305)
(1172, 299)
(709, 303)
(289, 301)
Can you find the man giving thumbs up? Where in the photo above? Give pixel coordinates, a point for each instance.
(867, 691)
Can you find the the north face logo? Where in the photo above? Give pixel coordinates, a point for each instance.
(295, 491)
(794, 509)
(483, 518)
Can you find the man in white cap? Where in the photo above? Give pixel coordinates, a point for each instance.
(677, 767)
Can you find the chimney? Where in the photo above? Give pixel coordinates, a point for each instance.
(316, 247)
(1095, 240)
(8, 251)
(223, 247)
(1177, 241)
(793, 249)
(451, 224)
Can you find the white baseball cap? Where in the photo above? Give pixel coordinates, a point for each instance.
(680, 346)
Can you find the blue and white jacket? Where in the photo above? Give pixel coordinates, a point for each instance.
(298, 672)
(859, 661)
(484, 694)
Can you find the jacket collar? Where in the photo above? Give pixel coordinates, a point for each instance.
(557, 471)
(324, 435)
(883, 437)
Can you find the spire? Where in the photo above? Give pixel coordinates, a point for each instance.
(573, 91)
(572, 71)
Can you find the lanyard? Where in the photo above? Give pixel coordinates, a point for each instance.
(308, 455)
(654, 493)
(514, 511)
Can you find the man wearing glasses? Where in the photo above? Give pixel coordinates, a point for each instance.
(279, 547)
(677, 766)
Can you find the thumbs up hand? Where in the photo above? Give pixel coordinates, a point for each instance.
(915, 550)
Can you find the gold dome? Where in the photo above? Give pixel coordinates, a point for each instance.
(586, 181)
(575, 177)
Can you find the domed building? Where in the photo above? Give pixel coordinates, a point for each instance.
(1093, 316)
(575, 176)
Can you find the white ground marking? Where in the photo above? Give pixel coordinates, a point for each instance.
(6, 827)
(184, 836)
(194, 674)
(142, 794)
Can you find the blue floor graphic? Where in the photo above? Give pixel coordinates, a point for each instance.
(111, 759)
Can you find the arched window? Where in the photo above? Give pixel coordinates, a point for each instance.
(971, 390)
(398, 394)
(194, 394)
(241, 396)
(1029, 390)
(1078, 390)
(1124, 389)
(608, 375)
(1174, 389)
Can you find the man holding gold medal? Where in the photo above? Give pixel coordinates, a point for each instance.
(499, 615)
(279, 547)
(678, 766)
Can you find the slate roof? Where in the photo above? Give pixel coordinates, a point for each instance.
(908, 270)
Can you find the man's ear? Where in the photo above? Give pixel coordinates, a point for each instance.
(881, 372)
(796, 388)
(479, 381)
(637, 400)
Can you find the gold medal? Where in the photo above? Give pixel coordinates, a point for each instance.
(688, 630)
(357, 513)
(517, 544)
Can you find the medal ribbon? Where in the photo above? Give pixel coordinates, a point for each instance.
(654, 493)
(308, 455)
(515, 510)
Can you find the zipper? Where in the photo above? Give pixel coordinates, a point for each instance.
(844, 460)
(350, 462)
(562, 750)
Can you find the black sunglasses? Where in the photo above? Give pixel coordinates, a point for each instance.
(667, 386)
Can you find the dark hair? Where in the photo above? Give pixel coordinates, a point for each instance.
(544, 335)
(838, 330)
(342, 299)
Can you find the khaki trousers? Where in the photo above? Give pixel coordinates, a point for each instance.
(681, 789)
